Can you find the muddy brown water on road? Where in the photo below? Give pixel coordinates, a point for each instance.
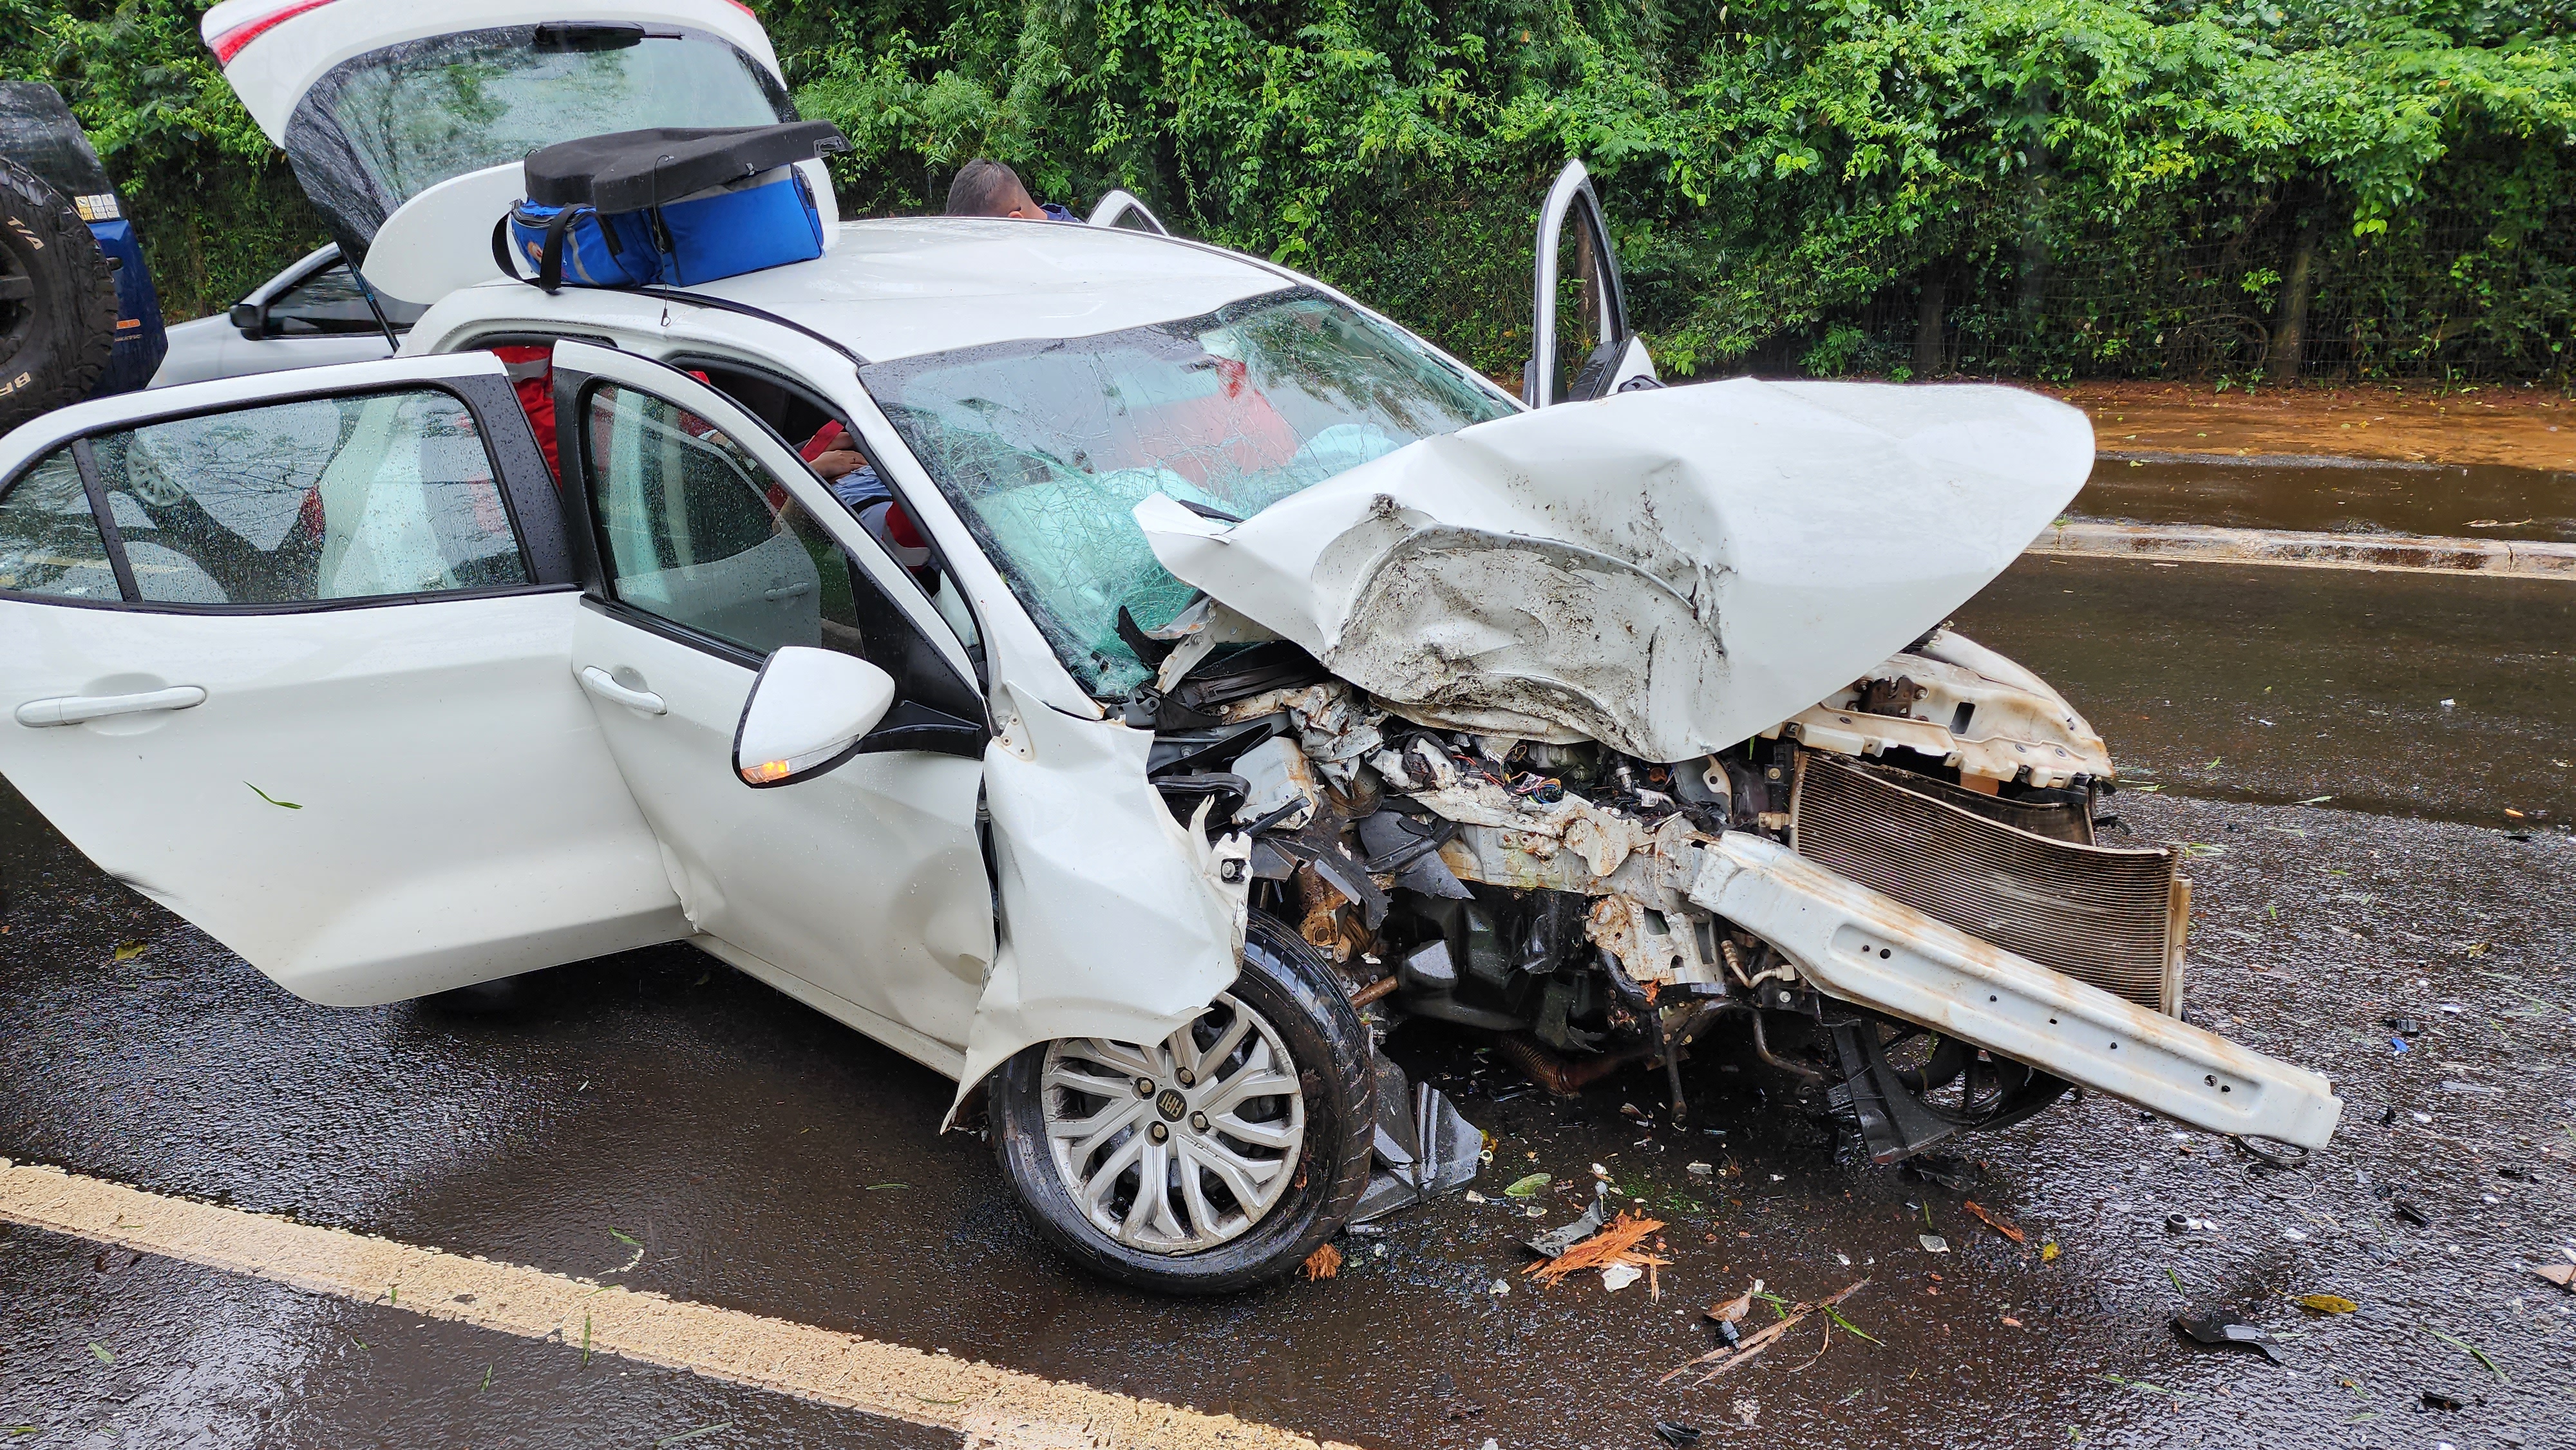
(2281, 685)
(772, 1161)
(2333, 495)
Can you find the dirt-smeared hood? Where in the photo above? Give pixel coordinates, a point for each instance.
(1666, 571)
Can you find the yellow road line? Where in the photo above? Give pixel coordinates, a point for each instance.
(994, 1409)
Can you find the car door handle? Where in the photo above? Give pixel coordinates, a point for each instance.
(787, 591)
(73, 709)
(598, 682)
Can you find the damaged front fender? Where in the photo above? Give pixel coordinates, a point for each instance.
(1116, 921)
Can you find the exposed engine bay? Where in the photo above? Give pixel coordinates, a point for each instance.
(1577, 906)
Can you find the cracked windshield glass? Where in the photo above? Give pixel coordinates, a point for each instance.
(1046, 446)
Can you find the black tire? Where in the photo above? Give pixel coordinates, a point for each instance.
(57, 300)
(1286, 983)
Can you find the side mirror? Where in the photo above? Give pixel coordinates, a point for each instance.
(252, 319)
(807, 712)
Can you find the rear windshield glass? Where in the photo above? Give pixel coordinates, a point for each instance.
(385, 127)
(1045, 446)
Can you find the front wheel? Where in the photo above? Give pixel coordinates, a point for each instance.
(1214, 1160)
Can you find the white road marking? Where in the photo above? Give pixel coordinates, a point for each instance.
(992, 1408)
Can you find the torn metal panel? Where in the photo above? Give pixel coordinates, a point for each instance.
(1117, 921)
(1858, 945)
(1964, 705)
(1424, 1147)
(1666, 572)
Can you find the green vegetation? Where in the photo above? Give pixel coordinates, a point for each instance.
(2037, 187)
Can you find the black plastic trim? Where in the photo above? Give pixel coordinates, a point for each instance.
(745, 309)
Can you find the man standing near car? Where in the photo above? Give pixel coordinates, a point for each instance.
(989, 188)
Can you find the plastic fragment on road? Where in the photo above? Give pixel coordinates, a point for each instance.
(2326, 1304)
(2436, 1400)
(1677, 1434)
(2562, 1275)
(1933, 1243)
(1553, 1243)
(1615, 1277)
(2409, 1212)
(2219, 1328)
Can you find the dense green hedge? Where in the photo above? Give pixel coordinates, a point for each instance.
(2026, 186)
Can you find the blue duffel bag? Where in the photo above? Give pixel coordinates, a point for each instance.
(673, 206)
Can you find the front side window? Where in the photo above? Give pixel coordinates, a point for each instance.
(692, 529)
(328, 302)
(49, 539)
(349, 497)
(1047, 445)
(386, 126)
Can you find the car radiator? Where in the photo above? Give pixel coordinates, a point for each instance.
(2113, 918)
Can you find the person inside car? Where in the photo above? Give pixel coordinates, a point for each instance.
(989, 188)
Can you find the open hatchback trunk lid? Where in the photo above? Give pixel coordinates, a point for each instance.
(1664, 571)
(381, 106)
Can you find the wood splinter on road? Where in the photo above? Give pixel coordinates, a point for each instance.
(992, 1408)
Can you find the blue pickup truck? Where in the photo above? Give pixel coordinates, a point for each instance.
(78, 314)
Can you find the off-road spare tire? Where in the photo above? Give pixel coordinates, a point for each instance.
(57, 300)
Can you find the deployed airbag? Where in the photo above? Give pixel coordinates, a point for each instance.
(1667, 572)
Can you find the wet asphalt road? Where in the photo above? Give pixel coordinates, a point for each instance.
(769, 1160)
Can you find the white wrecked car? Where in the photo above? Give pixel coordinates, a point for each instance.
(1249, 679)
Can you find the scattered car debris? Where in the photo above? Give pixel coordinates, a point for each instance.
(1530, 1187)
(2403, 1026)
(2222, 1329)
(1615, 1277)
(1423, 1146)
(1998, 1225)
(1323, 1263)
(1933, 1243)
(2049, 1251)
(2409, 1212)
(1676, 1434)
(1730, 1357)
(2436, 1400)
(1615, 1245)
(1553, 1243)
(2326, 1304)
(2562, 1275)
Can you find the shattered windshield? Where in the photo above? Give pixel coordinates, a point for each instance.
(387, 126)
(1046, 445)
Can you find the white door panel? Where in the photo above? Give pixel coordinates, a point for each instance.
(370, 804)
(865, 884)
(851, 880)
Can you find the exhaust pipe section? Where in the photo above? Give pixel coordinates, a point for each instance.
(1856, 944)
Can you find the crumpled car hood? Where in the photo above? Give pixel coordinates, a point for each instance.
(1665, 571)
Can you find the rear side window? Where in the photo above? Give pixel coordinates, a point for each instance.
(49, 539)
(348, 497)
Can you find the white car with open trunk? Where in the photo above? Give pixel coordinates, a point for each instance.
(1212, 677)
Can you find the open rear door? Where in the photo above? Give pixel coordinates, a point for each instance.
(291, 655)
(1581, 344)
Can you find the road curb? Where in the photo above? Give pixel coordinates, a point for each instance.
(2391, 553)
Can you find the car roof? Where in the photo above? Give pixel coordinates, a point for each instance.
(903, 286)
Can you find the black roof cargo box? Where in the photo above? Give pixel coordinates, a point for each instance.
(628, 171)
